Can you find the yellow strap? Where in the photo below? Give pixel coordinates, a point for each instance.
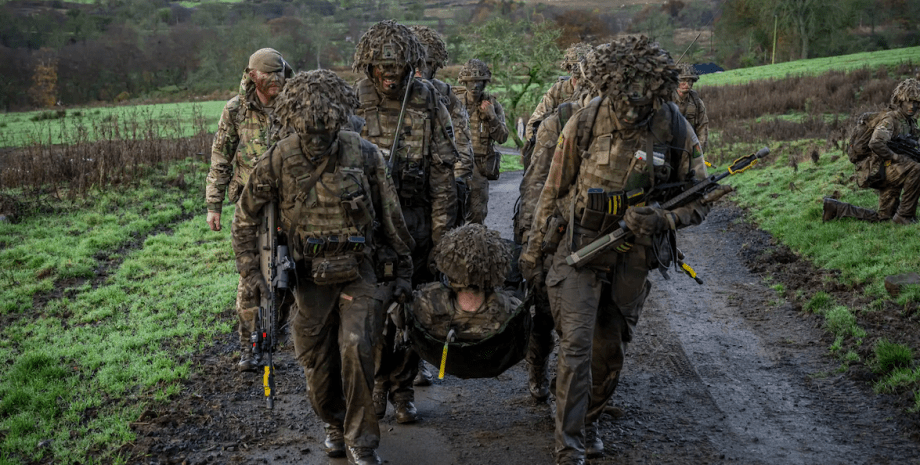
(689, 270)
(268, 389)
(443, 361)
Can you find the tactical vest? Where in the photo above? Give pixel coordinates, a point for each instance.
(479, 127)
(691, 107)
(338, 205)
(413, 161)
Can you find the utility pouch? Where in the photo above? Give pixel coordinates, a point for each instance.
(334, 270)
(234, 191)
(356, 207)
(555, 231)
(386, 264)
(490, 165)
(412, 179)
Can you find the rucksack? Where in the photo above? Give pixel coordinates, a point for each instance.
(858, 146)
(565, 111)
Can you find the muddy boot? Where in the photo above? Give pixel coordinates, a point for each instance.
(380, 400)
(898, 219)
(537, 382)
(334, 445)
(594, 447)
(423, 378)
(406, 412)
(363, 456)
(834, 209)
(570, 461)
(248, 362)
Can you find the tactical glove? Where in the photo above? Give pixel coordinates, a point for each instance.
(648, 221)
(214, 220)
(255, 285)
(528, 268)
(402, 291)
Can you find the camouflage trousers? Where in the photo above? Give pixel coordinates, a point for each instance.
(541, 335)
(335, 332)
(247, 310)
(595, 313)
(900, 190)
(479, 197)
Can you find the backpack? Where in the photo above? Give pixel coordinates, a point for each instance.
(858, 146)
(565, 111)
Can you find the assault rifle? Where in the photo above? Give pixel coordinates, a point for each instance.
(274, 263)
(697, 190)
(904, 145)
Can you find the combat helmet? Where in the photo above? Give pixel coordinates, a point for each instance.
(475, 70)
(573, 56)
(632, 69)
(908, 89)
(435, 48)
(687, 71)
(473, 256)
(387, 42)
(315, 96)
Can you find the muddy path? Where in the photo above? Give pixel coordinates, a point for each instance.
(725, 372)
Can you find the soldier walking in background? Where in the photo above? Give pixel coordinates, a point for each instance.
(423, 171)
(561, 90)
(333, 189)
(597, 306)
(243, 135)
(879, 167)
(691, 105)
(487, 127)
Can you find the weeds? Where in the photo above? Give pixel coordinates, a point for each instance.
(889, 356)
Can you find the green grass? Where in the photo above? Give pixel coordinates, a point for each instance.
(889, 356)
(168, 119)
(813, 67)
(78, 373)
(511, 163)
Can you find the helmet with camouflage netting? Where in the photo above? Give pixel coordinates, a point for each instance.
(475, 70)
(908, 89)
(388, 42)
(574, 55)
(313, 97)
(632, 69)
(435, 48)
(687, 71)
(473, 256)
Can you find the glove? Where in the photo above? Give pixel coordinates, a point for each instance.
(402, 291)
(528, 268)
(214, 220)
(648, 221)
(255, 284)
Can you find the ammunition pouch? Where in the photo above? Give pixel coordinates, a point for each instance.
(489, 164)
(335, 270)
(605, 209)
(387, 262)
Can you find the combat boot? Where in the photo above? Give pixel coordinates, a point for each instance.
(406, 412)
(537, 382)
(380, 400)
(248, 362)
(423, 377)
(363, 456)
(898, 219)
(829, 210)
(594, 447)
(570, 461)
(834, 209)
(334, 445)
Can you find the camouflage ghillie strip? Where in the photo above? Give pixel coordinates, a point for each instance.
(473, 255)
(908, 89)
(573, 55)
(388, 42)
(616, 70)
(475, 70)
(435, 48)
(314, 96)
(687, 71)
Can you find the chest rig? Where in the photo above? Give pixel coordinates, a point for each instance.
(412, 161)
(252, 128)
(690, 108)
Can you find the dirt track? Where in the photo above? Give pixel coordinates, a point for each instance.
(726, 372)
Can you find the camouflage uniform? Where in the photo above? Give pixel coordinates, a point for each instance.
(596, 307)
(337, 321)
(242, 135)
(561, 90)
(488, 131)
(424, 174)
(692, 107)
(892, 174)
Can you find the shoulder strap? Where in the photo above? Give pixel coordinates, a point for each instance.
(586, 122)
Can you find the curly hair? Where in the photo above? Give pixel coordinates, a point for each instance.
(618, 68)
(473, 255)
(475, 70)
(388, 42)
(435, 48)
(312, 96)
(908, 89)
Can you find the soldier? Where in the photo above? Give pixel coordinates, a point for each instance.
(561, 90)
(487, 127)
(332, 189)
(541, 338)
(890, 173)
(435, 59)
(422, 168)
(690, 103)
(243, 135)
(596, 162)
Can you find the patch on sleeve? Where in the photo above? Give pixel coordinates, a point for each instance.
(347, 297)
(697, 152)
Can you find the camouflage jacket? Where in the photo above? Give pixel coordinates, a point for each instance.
(609, 162)
(484, 133)
(460, 120)
(692, 107)
(895, 123)
(424, 168)
(354, 195)
(435, 307)
(561, 91)
(242, 135)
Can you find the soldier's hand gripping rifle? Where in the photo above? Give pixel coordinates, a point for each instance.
(274, 263)
(705, 189)
(904, 145)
